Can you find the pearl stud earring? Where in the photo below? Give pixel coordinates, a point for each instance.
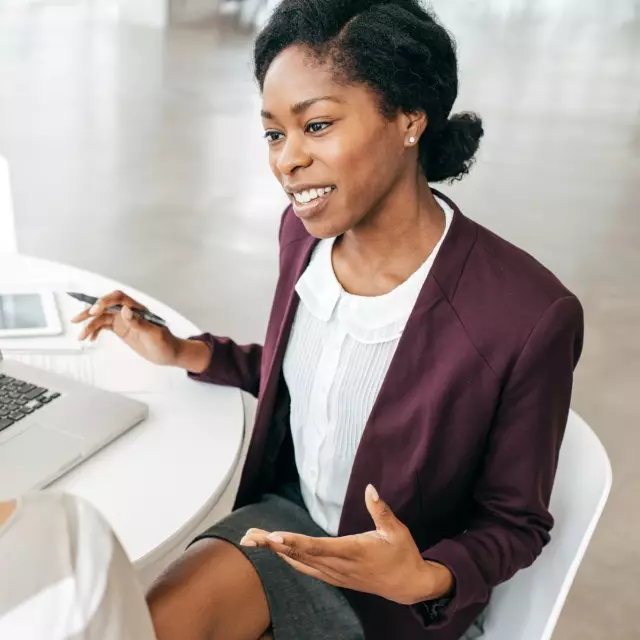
(412, 140)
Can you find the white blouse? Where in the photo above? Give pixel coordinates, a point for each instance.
(340, 349)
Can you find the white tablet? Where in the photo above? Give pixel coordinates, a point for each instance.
(28, 314)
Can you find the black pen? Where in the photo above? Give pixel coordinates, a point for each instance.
(145, 315)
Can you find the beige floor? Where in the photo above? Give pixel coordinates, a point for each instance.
(139, 154)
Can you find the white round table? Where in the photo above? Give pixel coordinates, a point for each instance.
(156, 484)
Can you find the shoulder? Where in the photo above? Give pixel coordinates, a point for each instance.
(505, 296)
(515, 277)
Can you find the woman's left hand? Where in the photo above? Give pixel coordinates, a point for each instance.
(385, 562)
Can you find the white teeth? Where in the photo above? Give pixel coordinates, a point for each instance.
(311, 194)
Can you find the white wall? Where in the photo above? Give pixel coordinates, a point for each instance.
(8, 242)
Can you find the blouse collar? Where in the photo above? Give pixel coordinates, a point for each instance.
(368, 319)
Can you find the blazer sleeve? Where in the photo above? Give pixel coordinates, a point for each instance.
(510, 522)
(232, 365)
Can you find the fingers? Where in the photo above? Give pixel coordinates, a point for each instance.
(384, 519)
(121, 323)
(311, 562)
(96, 325)
(112, 299)
(312, 571)
(81, 317)
(318, 551)
(255, 538)
(130, 320)
(102, 304)
(295, 545)
(94, 337)
(109, 300)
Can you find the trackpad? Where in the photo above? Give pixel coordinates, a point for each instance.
(35, 458)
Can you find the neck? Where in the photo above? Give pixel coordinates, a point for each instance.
(396, 237)
(6, 510)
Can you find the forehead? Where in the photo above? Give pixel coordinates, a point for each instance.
(294, 76)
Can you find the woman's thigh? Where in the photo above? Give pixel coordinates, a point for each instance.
(212, 592)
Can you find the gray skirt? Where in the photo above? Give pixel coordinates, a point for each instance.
(299, 606)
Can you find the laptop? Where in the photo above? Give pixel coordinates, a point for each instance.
(49, 424)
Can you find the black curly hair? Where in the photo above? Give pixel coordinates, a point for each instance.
(399, 50)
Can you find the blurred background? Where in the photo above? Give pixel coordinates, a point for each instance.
(133, 135)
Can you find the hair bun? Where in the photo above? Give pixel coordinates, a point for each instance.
(449, 152)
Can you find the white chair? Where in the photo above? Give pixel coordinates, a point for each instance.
(7, 226)
(527, 607)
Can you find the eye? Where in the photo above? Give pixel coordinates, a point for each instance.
(317, 127)
(272, 136)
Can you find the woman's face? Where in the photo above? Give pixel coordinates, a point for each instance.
(334, 153)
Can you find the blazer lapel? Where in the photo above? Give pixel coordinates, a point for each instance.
(269, 432)
(383, 446)
(286, 299)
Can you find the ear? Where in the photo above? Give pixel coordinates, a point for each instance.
(413, 123)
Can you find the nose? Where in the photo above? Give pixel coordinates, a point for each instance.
(293, 155)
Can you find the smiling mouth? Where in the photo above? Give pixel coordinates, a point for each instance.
(311, 203)
(309, 196)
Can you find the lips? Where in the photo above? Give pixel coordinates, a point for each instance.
(302, 196)
(314, 206)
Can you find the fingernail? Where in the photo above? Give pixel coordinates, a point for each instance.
(127, 313)
(373, 494)
(93, 310)
(247, 543)
(274, 537)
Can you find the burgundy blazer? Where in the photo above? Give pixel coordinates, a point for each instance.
(463, 439)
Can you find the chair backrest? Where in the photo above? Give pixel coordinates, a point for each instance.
(527, 607)
(8, 242)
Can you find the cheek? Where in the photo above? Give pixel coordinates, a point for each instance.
(361, 167)
(348, 157)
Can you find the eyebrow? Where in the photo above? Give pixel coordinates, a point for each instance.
(301, 107)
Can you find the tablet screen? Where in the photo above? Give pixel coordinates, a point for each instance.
(22, 311)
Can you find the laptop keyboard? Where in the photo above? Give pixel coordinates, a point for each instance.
(18, 399)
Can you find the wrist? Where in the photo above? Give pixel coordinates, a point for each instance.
(192, 355)
(432, 582)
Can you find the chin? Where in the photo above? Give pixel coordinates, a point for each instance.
(328, 224)
(323, 228)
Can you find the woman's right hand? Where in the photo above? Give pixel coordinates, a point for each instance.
(155, 344)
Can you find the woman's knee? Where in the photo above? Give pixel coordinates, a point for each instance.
(211, 592)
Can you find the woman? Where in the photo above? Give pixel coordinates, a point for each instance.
(416, 374)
